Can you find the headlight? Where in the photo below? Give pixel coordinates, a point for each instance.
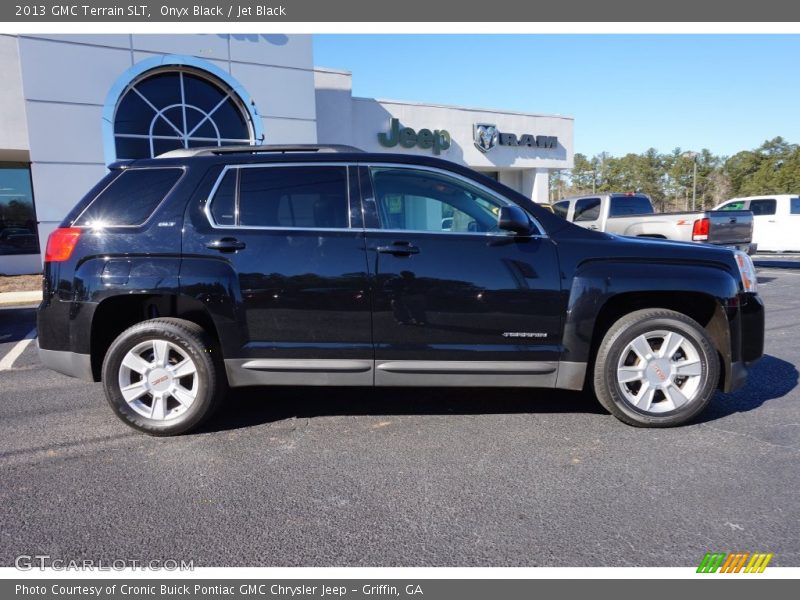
(747, 271)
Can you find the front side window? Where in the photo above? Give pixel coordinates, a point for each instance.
(178, 107)
(417, 200)
(130, 199)
(587, 209)
(18, 230)
(763, 207)
(312, 197)
(794, 206)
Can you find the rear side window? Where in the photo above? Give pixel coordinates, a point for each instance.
(130, 199)
(630, 205)
(302, 197)
(737, 205)
(587, 209)
(794, 206)
(561, 209)
(763, 207)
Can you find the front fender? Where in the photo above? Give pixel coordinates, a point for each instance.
(598, 282)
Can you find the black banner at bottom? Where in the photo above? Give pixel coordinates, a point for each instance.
(357, 589)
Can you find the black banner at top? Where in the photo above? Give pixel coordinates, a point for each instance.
(442, 11)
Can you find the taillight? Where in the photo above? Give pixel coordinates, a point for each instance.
(61, 243)
(700, 230)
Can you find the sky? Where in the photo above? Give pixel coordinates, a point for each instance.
(627, 93)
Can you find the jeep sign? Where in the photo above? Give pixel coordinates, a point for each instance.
(406, 137)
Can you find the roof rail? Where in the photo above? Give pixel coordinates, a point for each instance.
(245, 149)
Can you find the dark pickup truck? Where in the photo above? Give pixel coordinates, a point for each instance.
(178, 277)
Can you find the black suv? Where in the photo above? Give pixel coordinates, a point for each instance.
(179, 276)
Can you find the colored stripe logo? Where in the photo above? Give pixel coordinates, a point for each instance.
(735, 562)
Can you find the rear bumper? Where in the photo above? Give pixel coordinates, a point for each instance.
(68, 363)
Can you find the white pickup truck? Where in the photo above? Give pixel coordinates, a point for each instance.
(776, 220)
(633, 215)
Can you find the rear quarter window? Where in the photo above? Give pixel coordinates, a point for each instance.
(130, 198)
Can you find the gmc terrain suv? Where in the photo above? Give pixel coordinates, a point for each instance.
(179, 276)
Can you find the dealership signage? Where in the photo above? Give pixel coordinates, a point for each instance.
(436, 140)
(487, 136)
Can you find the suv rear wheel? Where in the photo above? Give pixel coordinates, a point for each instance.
(656, 368)
(161, 376)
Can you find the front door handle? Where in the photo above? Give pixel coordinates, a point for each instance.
(592, 227)
(226, 244)
(398, 249)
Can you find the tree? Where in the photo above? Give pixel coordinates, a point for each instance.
(772, 168)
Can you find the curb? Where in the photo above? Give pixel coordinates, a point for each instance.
(7, 298)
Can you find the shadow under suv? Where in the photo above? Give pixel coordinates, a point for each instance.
(178, 277)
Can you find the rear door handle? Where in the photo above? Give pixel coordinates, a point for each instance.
(226, 244)
(398, 249)
(592, 227)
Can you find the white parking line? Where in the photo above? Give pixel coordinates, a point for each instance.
(8, 360)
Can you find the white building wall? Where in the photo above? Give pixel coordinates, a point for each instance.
(65, 80)
(13, 125)
(344, 119)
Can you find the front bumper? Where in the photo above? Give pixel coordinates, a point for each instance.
(751, 342)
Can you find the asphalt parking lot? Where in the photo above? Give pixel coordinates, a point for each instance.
(349, 477)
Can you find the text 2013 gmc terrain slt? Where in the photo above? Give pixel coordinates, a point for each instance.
(180, 276)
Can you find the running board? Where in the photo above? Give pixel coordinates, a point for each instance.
(429, 373)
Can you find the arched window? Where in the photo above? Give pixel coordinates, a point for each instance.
(179, 106)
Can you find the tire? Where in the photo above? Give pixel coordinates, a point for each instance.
(654, 385)
(163, 376)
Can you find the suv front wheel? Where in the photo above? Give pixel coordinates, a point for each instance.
(161, 376)
(656, 368)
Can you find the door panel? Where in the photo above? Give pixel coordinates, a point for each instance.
(766, 231)
(299, 269)
(465, 293)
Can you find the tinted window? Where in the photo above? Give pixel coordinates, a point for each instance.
(794, 206)
(223, 206)
(427, 201)
(293, 197)
(587, 209)
(561, 209)
(737, 205)
(763, 207)
(18, 227)
(178, 108)
(630, 205)
(131, 198)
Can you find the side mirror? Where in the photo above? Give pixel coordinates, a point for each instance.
(513, 218)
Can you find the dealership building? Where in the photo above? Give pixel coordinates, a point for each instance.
(73, 104)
